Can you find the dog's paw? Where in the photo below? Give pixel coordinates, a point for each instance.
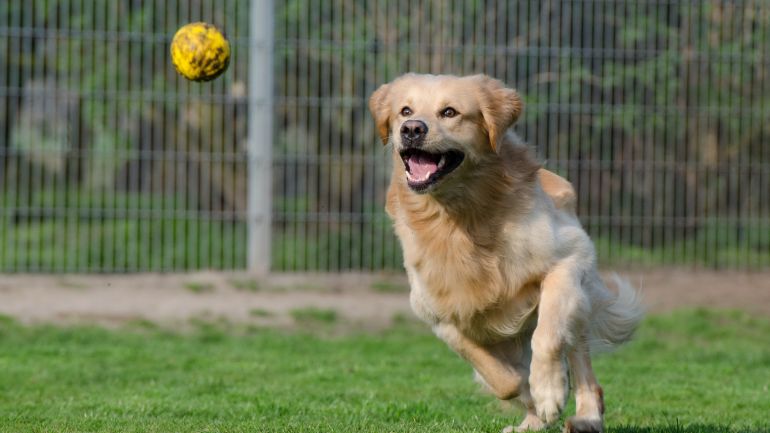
(548, 385)
(583, 425)
(531, 423)
(549, 410)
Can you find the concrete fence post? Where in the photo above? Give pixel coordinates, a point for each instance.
(260, 135)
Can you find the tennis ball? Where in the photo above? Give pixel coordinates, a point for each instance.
(200, 52)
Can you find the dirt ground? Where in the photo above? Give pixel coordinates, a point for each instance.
(369, 300)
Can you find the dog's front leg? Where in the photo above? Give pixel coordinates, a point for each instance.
(503, 380)
(562, 310)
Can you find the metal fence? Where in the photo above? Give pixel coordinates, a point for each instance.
(657, 111)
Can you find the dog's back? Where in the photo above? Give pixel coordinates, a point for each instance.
(559, 189)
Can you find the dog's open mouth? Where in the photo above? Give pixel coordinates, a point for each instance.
(424, 169)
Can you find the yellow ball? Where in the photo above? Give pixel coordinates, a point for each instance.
(200, 52)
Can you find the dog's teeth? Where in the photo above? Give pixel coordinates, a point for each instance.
(441, 162)
(413, 178)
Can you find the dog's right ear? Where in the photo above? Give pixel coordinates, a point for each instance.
(380, 109)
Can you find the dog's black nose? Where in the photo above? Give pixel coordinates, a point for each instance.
(413, 131)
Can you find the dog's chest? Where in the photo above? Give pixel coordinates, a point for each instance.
(449, 276)
(487, 292)
(484, 313)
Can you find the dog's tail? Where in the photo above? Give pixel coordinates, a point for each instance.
(616, 318)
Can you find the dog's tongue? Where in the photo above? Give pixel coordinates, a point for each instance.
(422, 165)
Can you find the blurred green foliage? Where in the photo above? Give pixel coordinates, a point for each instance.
(656, 111)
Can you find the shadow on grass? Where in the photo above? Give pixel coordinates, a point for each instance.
(692, 428)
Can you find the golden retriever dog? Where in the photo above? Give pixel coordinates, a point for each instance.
(497, 260)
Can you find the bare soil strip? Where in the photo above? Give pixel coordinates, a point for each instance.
(366, 300)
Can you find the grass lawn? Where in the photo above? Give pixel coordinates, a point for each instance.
(695, 371)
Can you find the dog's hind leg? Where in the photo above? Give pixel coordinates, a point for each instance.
(588, 394)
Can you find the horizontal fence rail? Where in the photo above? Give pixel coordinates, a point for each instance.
(656, 111)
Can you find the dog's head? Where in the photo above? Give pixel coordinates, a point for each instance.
(440, 125)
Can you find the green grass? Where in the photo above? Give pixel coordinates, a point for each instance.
(313, 315)
(385, 286)
(260, 312)
(248, 285)
(716, 244)
(199, 287)
(121, 245)
(688, 372)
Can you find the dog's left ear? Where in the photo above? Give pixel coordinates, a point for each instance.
(380, 109)
(500, 107)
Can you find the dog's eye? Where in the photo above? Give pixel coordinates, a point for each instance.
(448, 112)
(406, 111)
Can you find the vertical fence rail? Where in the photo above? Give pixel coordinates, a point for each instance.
(260, 135)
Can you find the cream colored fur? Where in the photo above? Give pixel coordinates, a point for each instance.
(498, 262)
